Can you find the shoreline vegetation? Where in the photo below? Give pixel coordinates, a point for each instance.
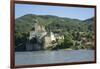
(58, 50)
(47, 32)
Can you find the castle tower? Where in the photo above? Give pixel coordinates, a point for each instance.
(37, 34)
(52, 36)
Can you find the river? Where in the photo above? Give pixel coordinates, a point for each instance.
(47, 57)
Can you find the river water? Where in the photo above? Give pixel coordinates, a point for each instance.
(47, 57)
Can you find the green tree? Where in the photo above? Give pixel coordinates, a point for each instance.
(68, 42)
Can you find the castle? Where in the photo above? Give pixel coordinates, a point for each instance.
(39, 38)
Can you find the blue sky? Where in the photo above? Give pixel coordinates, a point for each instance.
(61, 11)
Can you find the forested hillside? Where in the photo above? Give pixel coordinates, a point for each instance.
(51, 23)
(26, 22)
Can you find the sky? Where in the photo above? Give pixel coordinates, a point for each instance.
(61, 11)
